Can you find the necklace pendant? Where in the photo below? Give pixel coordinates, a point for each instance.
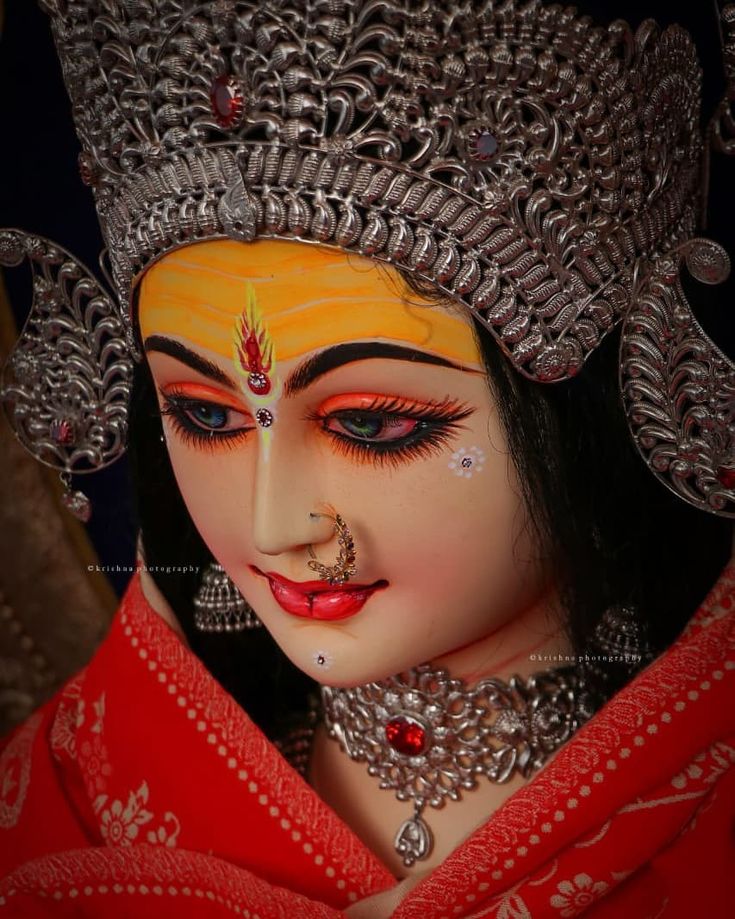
(414, 840)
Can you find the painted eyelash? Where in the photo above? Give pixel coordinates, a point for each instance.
(175, 404)
(423, 442)
(427, 444)
(446, 410)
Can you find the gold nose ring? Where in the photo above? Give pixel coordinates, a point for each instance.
(345, 566)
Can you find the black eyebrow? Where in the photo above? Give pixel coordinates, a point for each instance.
(339, 355)
(312, 368)
(175, 349)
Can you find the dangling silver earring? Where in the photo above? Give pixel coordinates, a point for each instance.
(615, 652)
(219, 606)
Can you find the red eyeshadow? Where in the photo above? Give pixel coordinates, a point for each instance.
(362, 400)
(206, 394)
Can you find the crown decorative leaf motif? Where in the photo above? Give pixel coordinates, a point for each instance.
(723, 123)
(69, 377)
(539, 169)
(515, 155)
(678, 386)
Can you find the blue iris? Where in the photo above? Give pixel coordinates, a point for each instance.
(211, 416)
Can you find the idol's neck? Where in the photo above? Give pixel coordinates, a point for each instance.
(533, 639)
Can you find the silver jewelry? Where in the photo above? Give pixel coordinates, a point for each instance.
(429, 738)
(722, 126)
(219, 606)
(617, 649)
(75, 501)
(67, 381)
(517, 156)
(678, 386)
(527, 163)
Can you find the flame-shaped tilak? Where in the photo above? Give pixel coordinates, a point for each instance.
(254, 353)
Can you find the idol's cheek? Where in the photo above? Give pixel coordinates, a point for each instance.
(466, 462)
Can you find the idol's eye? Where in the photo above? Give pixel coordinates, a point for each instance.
(371, 426)
(388, 429)
(209, 416)
(202, 422)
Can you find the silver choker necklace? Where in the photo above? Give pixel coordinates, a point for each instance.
(428, 737)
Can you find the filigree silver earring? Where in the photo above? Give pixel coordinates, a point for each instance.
(616, 651)
(219, 606)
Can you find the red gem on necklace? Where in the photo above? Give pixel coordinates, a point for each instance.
(227, 101)
(406, 735)
(726, 476)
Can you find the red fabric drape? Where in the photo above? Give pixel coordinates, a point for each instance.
(142, 788)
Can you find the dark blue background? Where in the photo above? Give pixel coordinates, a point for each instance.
(41, 192)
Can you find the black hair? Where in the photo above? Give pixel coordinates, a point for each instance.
(612, 532)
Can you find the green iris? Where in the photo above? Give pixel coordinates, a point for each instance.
(365, 426)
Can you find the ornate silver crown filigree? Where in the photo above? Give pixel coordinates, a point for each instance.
(678, 386)
(723, 123)
(533, 166)
(518, 157)
(67, 382)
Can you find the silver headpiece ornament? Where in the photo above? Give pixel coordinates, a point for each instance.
(529, 164)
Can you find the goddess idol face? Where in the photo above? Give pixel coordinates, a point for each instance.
(297, 380)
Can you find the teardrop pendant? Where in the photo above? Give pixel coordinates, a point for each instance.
(414, 839)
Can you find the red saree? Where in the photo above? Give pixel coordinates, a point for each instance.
(142, 789)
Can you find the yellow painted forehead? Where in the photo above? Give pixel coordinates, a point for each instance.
(310, 297)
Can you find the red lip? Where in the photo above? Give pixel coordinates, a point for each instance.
(318, 599)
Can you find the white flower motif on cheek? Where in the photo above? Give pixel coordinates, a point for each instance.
(323, 659)
(465, 463)
(576, 895)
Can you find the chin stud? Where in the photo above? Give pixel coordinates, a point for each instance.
(323, 659)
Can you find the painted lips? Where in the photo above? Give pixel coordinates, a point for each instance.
(319, 600)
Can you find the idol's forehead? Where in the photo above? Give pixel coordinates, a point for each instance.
(309, 296)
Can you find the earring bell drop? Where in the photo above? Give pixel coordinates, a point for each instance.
(76, 502)
(219, 606)
(616, 651)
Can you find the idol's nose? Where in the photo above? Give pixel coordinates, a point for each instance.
(288, 501)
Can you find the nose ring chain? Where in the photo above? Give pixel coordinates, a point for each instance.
(344, 567)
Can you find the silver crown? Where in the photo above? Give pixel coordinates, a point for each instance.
(539, 169)
(523, 160)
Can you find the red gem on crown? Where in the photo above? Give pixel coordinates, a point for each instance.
(228, 102)
(87, 170)
(406, 735)
(726, 476)
(62, 431)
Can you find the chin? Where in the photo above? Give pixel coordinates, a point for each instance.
(345, 676)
